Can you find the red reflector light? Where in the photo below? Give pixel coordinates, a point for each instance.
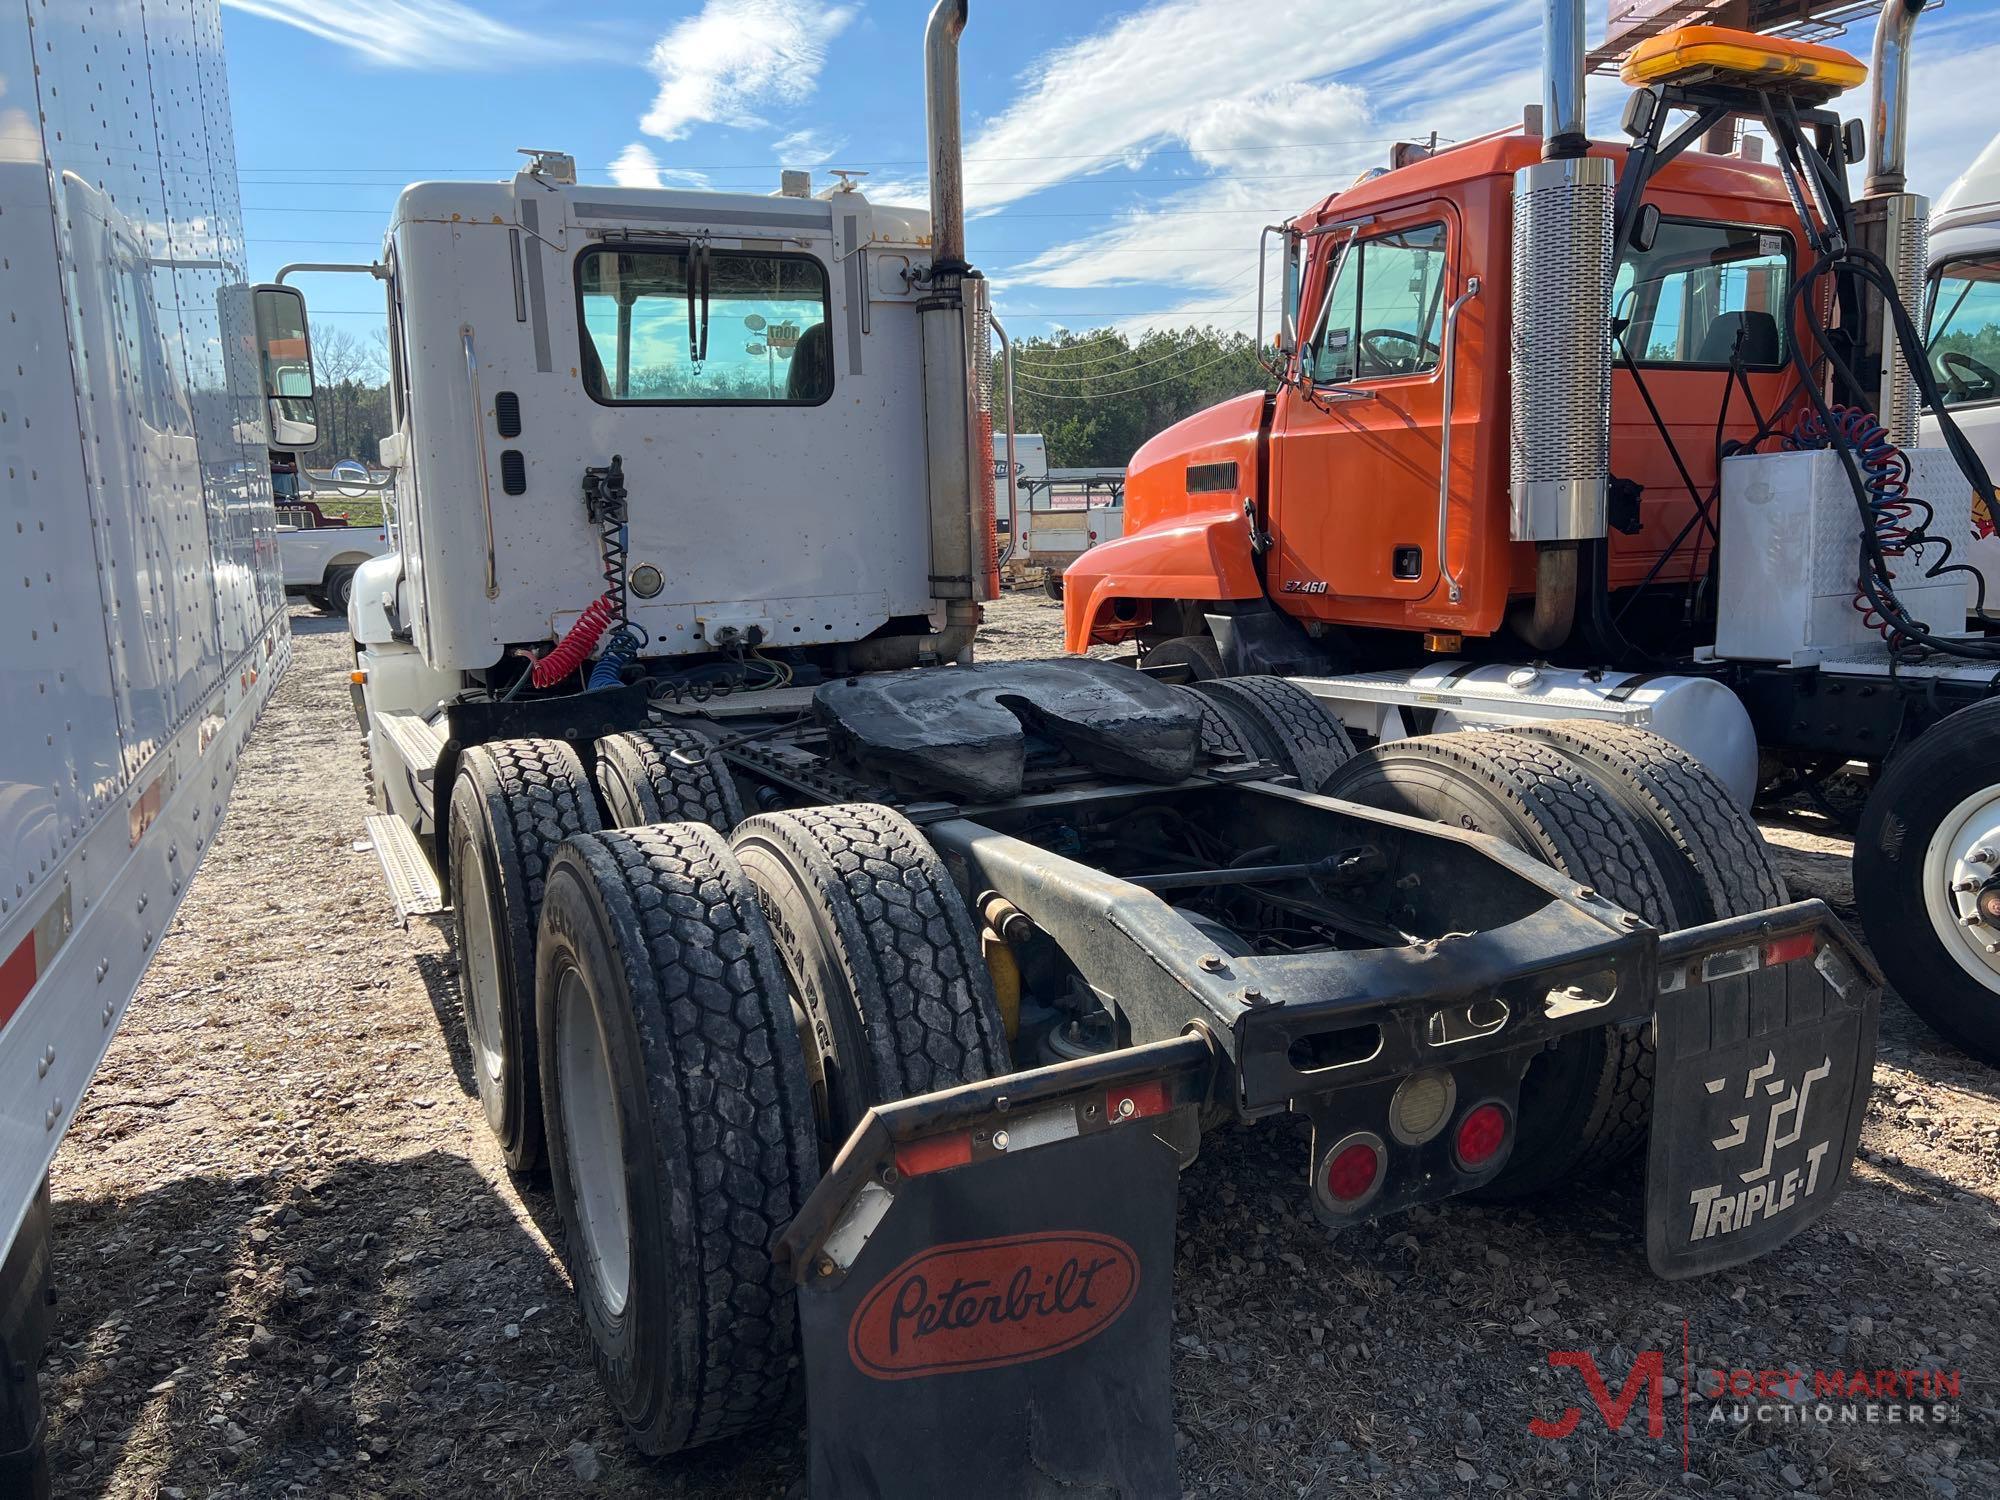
(1351, 1174)
(1137, 1100)
(914, 1158)
(1481, 1134)
(1783, 950)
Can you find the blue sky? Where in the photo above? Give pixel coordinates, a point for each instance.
(1120, 156)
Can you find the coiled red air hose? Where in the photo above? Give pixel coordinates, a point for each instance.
(574, 649)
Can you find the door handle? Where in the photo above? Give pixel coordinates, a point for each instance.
(1444, 439)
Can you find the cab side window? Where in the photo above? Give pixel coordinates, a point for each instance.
(1380, 320)
(1965, 330)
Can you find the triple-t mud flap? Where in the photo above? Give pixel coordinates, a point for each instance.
(1765, 1027)
(1001, 1333)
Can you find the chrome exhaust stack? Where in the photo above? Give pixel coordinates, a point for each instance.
(1560, 426)
(955, 326)
(1891, 223)
(941, 122)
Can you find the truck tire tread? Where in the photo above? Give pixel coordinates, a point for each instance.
(731, 1111)
(904, 938)
(1284, 723)
(534, 794)
(644, 776)
(1704, 826)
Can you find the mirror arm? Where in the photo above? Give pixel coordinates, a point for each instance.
(372, 268)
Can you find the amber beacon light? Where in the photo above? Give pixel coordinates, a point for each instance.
(1702, 54)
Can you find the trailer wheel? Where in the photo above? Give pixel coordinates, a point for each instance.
(1052, 583)
(665, 774)
(1584, 1105)
(893, 996)
(1198, 653)
(1715, 860)
(1927, 858)
(512, 803)
(1283, 723)
(679, 1126)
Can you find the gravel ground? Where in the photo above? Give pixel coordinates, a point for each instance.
(291, 1262)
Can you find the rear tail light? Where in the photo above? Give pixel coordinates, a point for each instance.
(1351, 1173)
(938, 1153)
(1482, 1136)
(1783, 950)
(1138, 1101)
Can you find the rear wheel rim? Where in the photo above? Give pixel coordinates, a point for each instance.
(1969, 829)
(593, 1141)
(483, 986)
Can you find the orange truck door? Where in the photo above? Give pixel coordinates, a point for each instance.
(1355, 447)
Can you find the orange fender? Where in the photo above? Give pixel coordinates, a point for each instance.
(1202, 554)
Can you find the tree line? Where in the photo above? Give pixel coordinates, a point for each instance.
(1094, 397)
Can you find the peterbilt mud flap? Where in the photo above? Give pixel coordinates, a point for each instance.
(1766, 1031)
(985, 1286)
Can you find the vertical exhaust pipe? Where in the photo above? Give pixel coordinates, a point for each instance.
(941, 119)
(1563, 65)
(1560, 453)
(1893, 224)
(1891, 72)
(955, 327)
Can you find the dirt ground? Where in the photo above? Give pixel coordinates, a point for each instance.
(291, 1262)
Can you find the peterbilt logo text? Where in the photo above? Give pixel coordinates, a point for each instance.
(985, 1303)
(1760, 1192)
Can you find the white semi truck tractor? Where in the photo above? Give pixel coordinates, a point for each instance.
(143, 609)
(863, 1000)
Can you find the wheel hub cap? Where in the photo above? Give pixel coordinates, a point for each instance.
(1962, 885)
(594, 1143)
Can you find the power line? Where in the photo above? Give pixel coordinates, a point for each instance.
(1004, 213)
(751, 184)
(1135, 389)
(879, 161)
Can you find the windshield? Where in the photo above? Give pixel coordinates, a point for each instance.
(1965, 330)
(751, 330)
(1703, 294)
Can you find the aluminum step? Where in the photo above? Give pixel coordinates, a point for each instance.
(413, 884)
(416, 740)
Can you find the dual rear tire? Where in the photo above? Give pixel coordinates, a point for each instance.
(693, 1029)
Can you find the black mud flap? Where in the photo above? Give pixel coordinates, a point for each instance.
(1766, 1031)
(986, 1286)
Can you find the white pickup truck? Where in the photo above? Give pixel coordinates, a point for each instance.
(319, 553)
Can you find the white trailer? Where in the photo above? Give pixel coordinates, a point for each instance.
(1014, 480)
(144, 614)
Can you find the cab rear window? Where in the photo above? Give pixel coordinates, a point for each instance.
(673, 327)
(1704, 295)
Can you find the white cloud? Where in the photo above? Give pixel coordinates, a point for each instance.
(1203, 93)
(735, 57)
(420, 33)
(1951, 106)
(806, 148)
(1065, 123)
(637, 167)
